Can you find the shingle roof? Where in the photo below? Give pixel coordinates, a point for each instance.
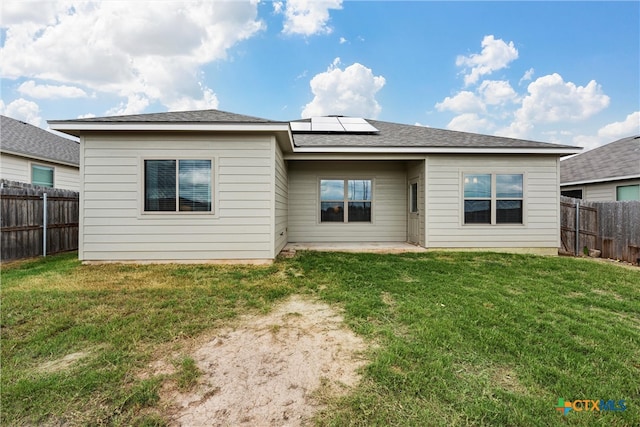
(401, 135)
(198, 116)
(389, 135)
(616, 159)
(21, 138)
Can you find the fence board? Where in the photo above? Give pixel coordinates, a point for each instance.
(615, 231)
(21, 219)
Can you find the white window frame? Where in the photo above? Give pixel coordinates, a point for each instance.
(213, 186)
(41, 165)
(626, 185)
(493, 205)
(345, 200)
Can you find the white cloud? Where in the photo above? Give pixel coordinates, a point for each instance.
(34, 90)
(588, 142)
(308, 17)
(349, 92)
(135, 104)
(86, 116)
(495, 55)
(342, 40)
(627, 127)
(527, 76)
(611, 132)
(208, 101)
(551, 100)
(143, 51)
(497, 92)
(470, 122)
(23, 110)
(36, 12)
(550, 109)
(462, 102)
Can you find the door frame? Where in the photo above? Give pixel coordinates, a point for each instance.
(413, 211)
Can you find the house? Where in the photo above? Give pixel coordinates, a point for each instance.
(610, 172)
(210, 185)
(32, 155)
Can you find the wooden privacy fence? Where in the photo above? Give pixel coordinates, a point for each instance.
(610, 227)
(22, 217)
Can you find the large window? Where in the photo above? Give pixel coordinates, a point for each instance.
(345, 200)
(493, 198)
(177, 185)
(42, 175)
(628, 192)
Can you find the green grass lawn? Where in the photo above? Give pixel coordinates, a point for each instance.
(460, 338)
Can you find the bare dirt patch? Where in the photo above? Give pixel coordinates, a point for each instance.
(270, 370)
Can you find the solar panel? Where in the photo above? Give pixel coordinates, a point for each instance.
(300, 126)
(334, 124)
(326, 124)
(356, 124)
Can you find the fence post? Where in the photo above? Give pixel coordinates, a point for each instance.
(577, 228)
(44, 224)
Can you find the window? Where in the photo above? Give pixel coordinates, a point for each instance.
(354, 194)
(413, 197)
(576, 194)
(177, 185)
(493, 198)
(509, 199)
(628, 192)
(42, 176)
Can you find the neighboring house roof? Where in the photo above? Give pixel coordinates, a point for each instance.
(614, 161)
(23, 139)
(391, 137)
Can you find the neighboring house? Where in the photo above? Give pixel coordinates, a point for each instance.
(610, 172)
(34, 156)
(211, 185)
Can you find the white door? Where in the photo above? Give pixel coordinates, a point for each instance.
(413, 222)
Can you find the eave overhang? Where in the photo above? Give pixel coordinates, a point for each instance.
(39, 158)
(308, 151)
(598, 180)
(281, 130)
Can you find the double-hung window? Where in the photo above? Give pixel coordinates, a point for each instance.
(345, 200)
(493, 198)
(177, 185)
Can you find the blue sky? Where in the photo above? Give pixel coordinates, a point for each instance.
(566, 72)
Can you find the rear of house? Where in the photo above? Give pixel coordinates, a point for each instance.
(208, 185)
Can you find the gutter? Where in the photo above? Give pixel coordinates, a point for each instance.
(595, 181)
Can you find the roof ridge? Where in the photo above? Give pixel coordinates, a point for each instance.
(185, 116)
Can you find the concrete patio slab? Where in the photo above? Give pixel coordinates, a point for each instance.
(370, 247)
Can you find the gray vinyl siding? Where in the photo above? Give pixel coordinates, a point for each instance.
(445, 228)
(115, 228)
(16, 168)
(602, 191)
(389, 210)
(281, 198)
